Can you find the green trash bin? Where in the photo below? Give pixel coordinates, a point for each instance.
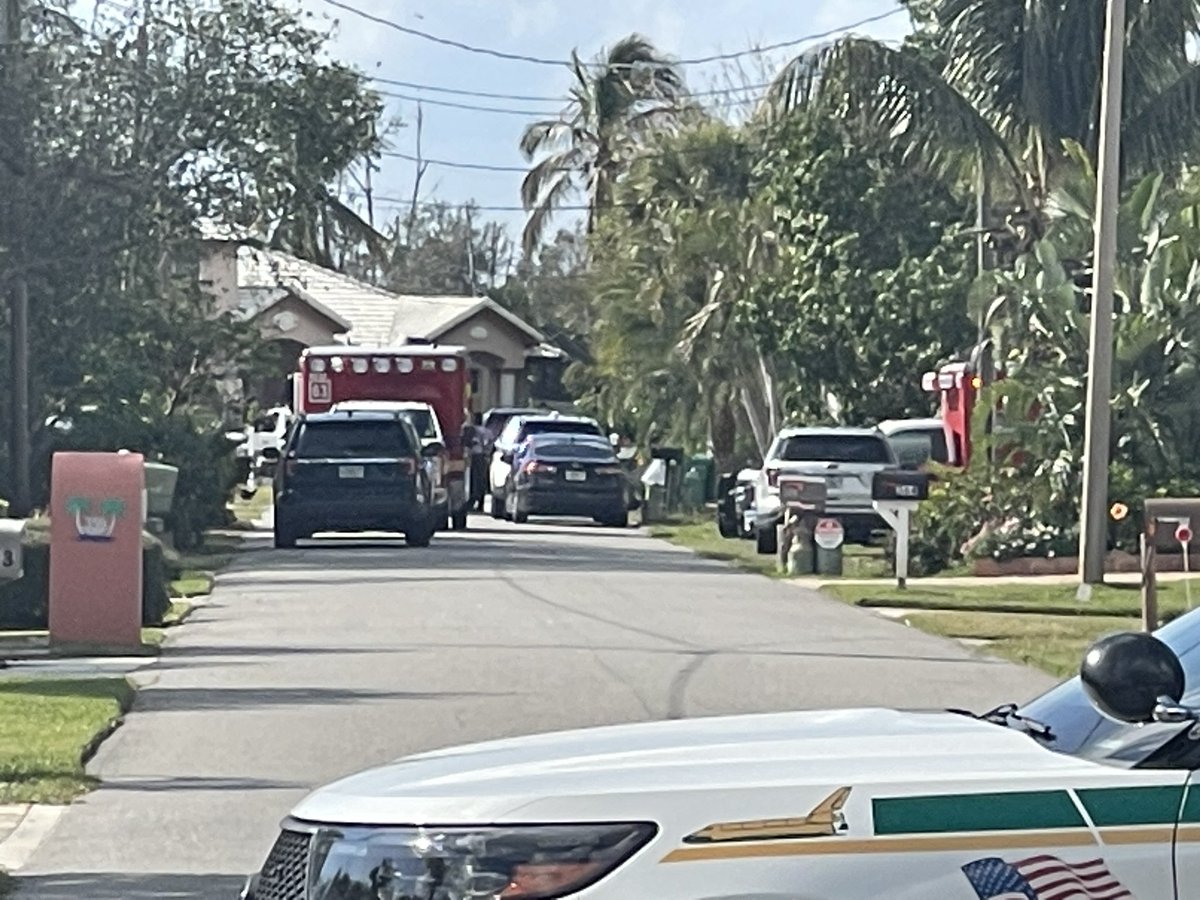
(705, 469)
(160, 488)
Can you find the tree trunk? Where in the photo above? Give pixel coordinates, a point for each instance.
(723, 430)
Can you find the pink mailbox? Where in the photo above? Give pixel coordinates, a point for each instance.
(97, 503)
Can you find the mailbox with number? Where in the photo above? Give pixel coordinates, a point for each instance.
(12, 534)
(891, 487)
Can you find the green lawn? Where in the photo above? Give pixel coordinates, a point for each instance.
(48, 727)
(1035, 624)
(247, 512)
(1052, 643)
(1057, 599)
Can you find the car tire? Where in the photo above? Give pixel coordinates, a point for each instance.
(618, 521)
(520, 518)
(419, 538)
(458, 521)
(767, 541)
(285, 537)
(726, 528)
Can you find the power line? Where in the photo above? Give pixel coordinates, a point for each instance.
(545, 98)
(581, 207)
(448, 164)
(471, 106)
(546, 61)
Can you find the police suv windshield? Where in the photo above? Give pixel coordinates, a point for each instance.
(836, 448)
(351, 439)
(1078, 729)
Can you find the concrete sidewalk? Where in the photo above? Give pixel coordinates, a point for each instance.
(816, 582)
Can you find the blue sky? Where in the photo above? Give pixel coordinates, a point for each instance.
(551, 29)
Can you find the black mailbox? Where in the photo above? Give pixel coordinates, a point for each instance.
(802, 493)
(894, 486)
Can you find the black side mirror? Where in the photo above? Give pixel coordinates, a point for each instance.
(270, 454)
(434, 449)
(1127, 676)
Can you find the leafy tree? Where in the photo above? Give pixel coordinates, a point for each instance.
(1001, 85)
(442, 249)
(621, 96)
(869, 289)
(222, 110)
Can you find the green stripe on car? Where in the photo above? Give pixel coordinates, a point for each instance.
(941, 814)
(1113, 807)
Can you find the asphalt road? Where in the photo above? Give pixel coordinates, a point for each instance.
(312, 664)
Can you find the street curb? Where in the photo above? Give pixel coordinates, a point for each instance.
(37, 823)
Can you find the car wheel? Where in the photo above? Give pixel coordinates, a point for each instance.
(458, 521)
(618, 521)
(497, 509)
(285, 537)
(421, 537)
(767, 541)
(726, 528)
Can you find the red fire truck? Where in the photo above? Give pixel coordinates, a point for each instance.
(425, 373)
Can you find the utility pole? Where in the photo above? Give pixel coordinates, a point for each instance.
(12, 75)
(1093, 526)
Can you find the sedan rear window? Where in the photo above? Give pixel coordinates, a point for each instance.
(347, 440)
(573, 451)
(833, 448)
(561, 428)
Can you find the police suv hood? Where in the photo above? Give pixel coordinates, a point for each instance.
(686, 767)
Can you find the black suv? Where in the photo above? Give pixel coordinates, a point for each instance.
(354, 471)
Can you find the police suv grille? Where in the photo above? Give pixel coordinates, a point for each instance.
(286, 868)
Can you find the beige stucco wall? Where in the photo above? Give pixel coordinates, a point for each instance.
(218, 272)
(311, 328)
(502, 339)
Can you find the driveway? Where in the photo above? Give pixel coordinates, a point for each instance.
(311, 664)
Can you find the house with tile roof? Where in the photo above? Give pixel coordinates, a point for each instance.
(297, 304)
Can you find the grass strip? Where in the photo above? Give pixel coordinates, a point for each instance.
(49, 729)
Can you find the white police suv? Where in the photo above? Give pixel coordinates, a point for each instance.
(1087, 793)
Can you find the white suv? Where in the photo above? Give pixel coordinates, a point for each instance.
(846, 458)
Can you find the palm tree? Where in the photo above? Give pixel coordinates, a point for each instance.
(998, 86)
(624, 94)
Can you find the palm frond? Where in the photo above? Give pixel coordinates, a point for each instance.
(534, 185)
(551, 198)
(1162, 132)
(545, 135)
(896, 96)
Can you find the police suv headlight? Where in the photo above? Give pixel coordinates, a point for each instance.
(497, 863)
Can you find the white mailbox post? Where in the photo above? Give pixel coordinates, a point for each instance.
(895, 496)
(12, 533)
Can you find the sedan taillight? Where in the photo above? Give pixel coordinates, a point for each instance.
(533, 467)
(773, 477)
(609, 470)
(409, 466)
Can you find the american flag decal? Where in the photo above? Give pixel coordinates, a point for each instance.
(1043, 878)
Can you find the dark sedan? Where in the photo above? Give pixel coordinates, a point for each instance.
(573, 475)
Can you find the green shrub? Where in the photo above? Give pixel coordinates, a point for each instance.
(25, 603)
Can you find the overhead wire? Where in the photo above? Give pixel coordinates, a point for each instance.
(547, 61)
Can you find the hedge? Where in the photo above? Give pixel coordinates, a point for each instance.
(24, 604)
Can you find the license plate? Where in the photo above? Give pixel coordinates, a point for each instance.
(576, 476)
(350, 471)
